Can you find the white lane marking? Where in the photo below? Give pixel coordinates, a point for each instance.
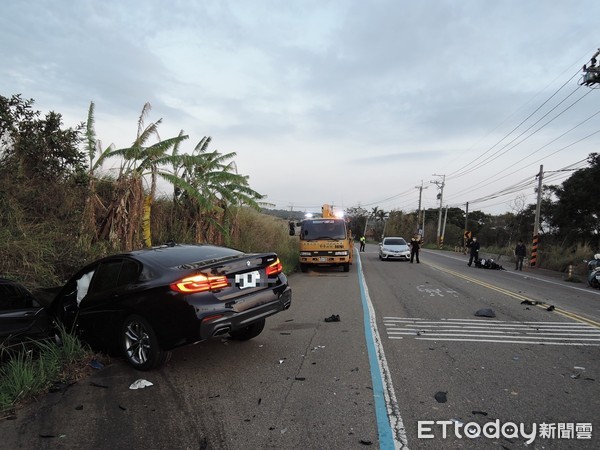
(390, 326)
(578, 344)
(552, 333)
(491, 322)
(474, 332)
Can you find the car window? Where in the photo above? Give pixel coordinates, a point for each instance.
(323, 229)
(12, 296)
(395, 241)
(129, 272)
(114, 273)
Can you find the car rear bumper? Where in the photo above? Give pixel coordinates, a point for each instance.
(251, 310)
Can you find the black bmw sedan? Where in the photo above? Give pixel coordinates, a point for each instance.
(145, 303)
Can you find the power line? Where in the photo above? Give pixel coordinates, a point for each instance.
(453, 174)
(499, 152)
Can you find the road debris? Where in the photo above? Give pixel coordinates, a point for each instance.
(140, 384)
(441, 397)
(95, 364)
(333, 318)
(98, 385)
(530, 302)
(550, 308)
(485, 312)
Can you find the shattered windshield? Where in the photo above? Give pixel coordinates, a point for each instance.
(323, 229)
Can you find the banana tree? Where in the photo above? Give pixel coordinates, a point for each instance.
(216, 187)
(131, 205)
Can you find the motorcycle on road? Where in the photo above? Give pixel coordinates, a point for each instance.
(594, 271)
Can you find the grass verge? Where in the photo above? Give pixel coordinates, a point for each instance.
(31, 369)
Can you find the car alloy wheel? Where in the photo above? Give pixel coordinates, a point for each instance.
(140, 344)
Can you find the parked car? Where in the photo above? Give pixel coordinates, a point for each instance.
(145, 303)
(22, 316)
(394, 247)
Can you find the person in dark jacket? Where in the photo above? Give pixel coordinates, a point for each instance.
(474, 252)
(520, 253)
(415, 245)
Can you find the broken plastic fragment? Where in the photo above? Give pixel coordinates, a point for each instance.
(140, 384)
(95, 364)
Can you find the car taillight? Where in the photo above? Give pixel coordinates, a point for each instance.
(274, 268)
(199, 283)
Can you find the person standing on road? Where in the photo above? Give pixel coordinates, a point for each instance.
(520, 253)
(362, 243)
(415, 245)
(474, 253)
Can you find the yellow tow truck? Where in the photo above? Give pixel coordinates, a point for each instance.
(326, 241)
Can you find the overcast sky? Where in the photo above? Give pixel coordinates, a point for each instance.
(342, 101)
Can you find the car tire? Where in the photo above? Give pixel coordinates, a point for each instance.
(346, 267)
(248, 332)
(140, 345)
(303, 268)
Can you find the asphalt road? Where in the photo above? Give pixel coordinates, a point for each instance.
(406, 333)
(526, 365)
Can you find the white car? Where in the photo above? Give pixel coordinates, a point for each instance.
(394, 247)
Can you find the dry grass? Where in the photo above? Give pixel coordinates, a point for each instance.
(262, 233)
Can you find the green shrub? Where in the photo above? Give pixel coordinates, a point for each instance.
(28, 372)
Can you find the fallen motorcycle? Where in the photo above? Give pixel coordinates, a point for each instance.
(594, 271)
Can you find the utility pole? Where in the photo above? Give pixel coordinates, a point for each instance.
(420, 188)
(444, 228)
(536, 223)
(440, 185)
(466, 228)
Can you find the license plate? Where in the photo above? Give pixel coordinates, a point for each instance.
(322, 259)
(247, 280)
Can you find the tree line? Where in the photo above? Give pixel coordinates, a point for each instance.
(60, 204)
(569, 217)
